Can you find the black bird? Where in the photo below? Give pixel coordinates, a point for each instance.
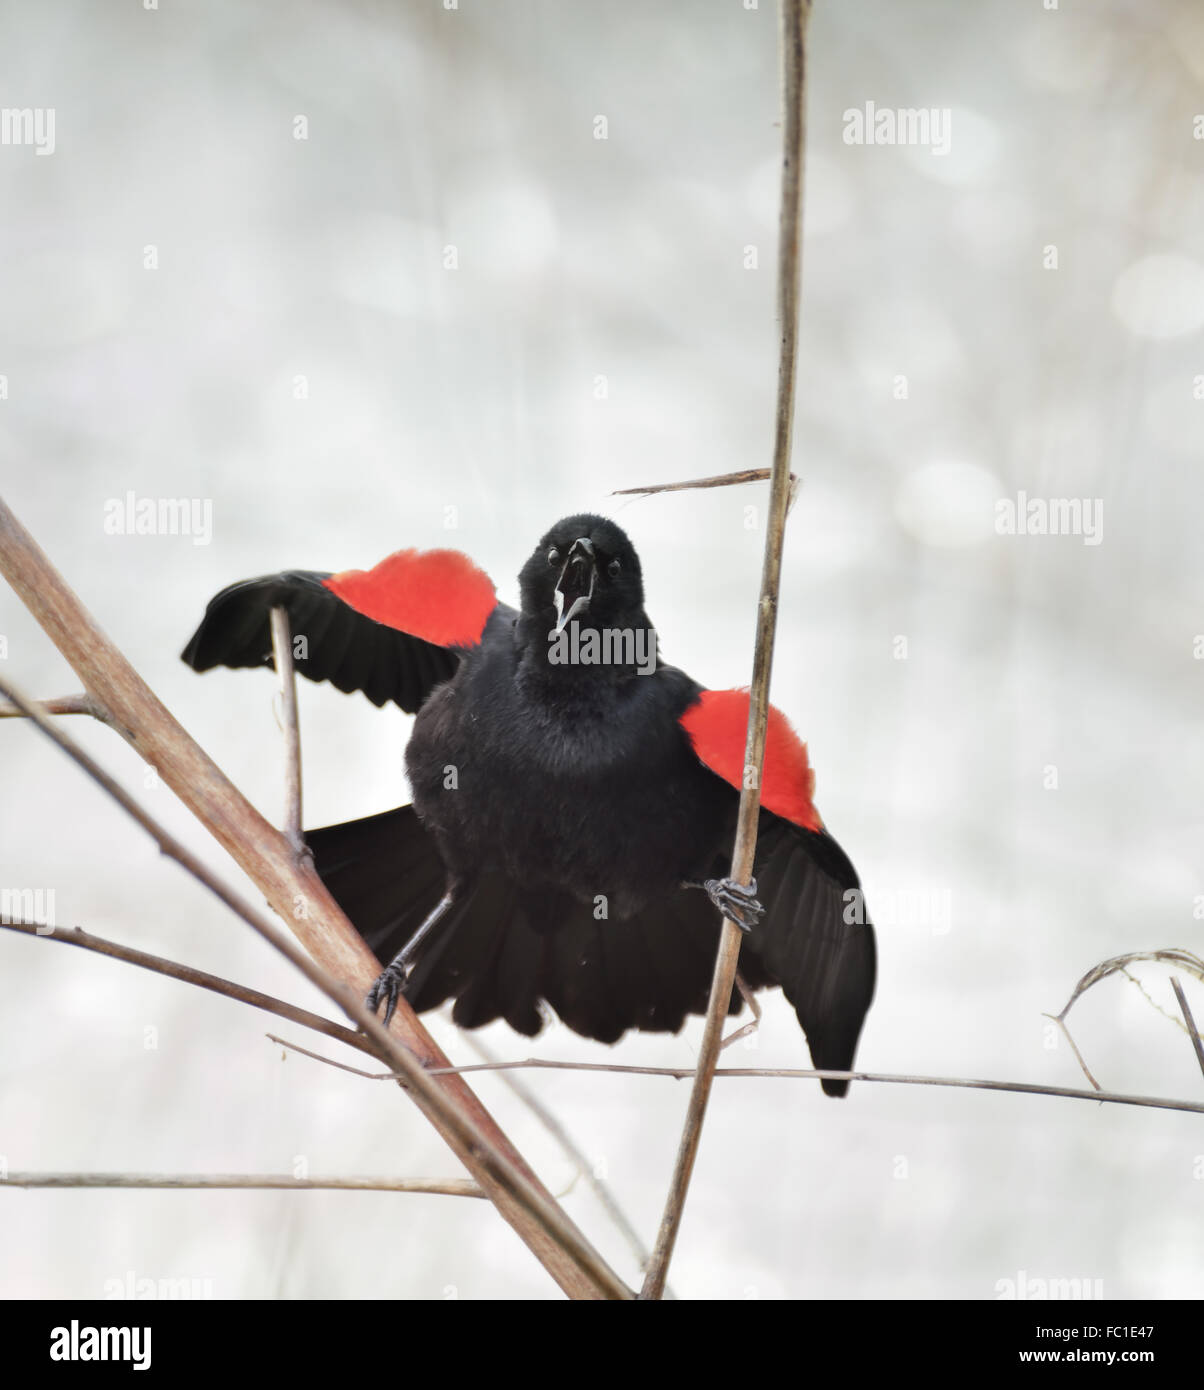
(574, 800)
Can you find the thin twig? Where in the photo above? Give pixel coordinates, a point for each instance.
(282, 651)
(497, 1172)
(801, 1074)
(1074, 1047)
(76, 936)
(1192, 1031)
(447, 1187)
(1030, 1088)
(61, 704)
(794, 15)
(744, 475)
(330, 1062)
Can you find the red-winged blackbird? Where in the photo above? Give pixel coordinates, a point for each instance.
(574, 800)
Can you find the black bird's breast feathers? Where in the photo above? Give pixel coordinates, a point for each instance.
(593, 791)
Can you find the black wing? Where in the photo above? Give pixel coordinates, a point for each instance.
(816, 939)
(649, 971)
(331, 641)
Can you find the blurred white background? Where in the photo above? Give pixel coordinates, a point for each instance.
(198, 304)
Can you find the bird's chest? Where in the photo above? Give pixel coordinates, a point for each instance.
(599, 797)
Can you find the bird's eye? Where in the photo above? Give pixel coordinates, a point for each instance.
(553, 556)
(613, 569)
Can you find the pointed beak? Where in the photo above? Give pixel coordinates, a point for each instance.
(575, 587)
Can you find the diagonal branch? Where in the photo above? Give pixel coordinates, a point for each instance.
(794, 16)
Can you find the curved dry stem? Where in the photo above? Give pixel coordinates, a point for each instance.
(1114, 965)
(1171, 955)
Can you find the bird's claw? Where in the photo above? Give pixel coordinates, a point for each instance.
(389, 984)
(737, 901)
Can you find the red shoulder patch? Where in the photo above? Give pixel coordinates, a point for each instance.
(437, 595)
(717, 726)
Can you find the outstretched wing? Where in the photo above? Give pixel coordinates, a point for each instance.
(394, 632)
(815, 939)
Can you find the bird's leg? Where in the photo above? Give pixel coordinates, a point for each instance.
(391, 980)
(737, 901)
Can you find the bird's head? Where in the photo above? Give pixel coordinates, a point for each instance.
(583, 570)
(583, 604)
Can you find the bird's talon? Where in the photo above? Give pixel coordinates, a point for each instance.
(737, 901)
(387, 987)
